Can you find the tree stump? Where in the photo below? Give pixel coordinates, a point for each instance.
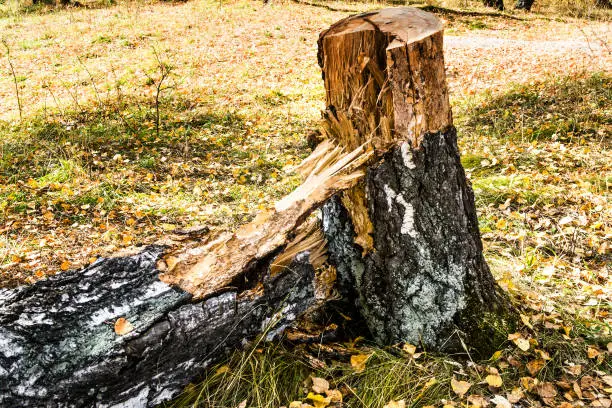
(398, 237)
(412, 255)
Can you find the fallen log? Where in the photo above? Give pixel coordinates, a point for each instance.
(60, 344)
(118, 333)
(398, 238)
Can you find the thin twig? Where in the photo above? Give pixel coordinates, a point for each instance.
(8, 57)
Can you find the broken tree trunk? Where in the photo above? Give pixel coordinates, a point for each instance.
(398, 230)
(119, 333)
(59, 346)
(411, 252)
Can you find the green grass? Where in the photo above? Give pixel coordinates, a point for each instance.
(569, 110)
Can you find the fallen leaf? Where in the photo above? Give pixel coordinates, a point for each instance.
(65, 266)
(543, 354)
(546, 390)
(477, 401)
(409, 348)
(242, 404)
(528, 383)
(535, 366)
(592, 352)
(335, 395)
(496, 355)
(396, 404)
(358, 362)
(577, 390)
(602, 402)
(319, 401)
(501, 402)
(460, 387)
(521, 343)
(123, 327)
(222, 370)
(494, 380)
(320, 385)
(515, 395)
(574, 370)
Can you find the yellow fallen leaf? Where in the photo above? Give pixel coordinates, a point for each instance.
(535, 366)
(358, 362)
(122, 326)
(494, 380)
(496, 355)
(65, 266)
(320, 385)
(409, 348)
(592, 352)
(525, 320)
(528, 383)
(502, 223)
(319, 401)
(460, 387)
(222, 369)
(396, 404)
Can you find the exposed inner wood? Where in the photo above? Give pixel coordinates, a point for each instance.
(384, 82)
(310, 239)
(204, 270)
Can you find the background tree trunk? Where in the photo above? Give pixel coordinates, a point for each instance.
(498, 4)
(406, 240)
(524, 4)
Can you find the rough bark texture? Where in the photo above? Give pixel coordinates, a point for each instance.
(423, 277)
(58, 347)
(498, 4)
(524, 4)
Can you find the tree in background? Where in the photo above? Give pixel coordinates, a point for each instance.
(498, 4)
(524, 4)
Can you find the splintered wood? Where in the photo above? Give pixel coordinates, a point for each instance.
(205, 270)
(384, 81)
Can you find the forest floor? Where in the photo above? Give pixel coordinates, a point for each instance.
(94, 166)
